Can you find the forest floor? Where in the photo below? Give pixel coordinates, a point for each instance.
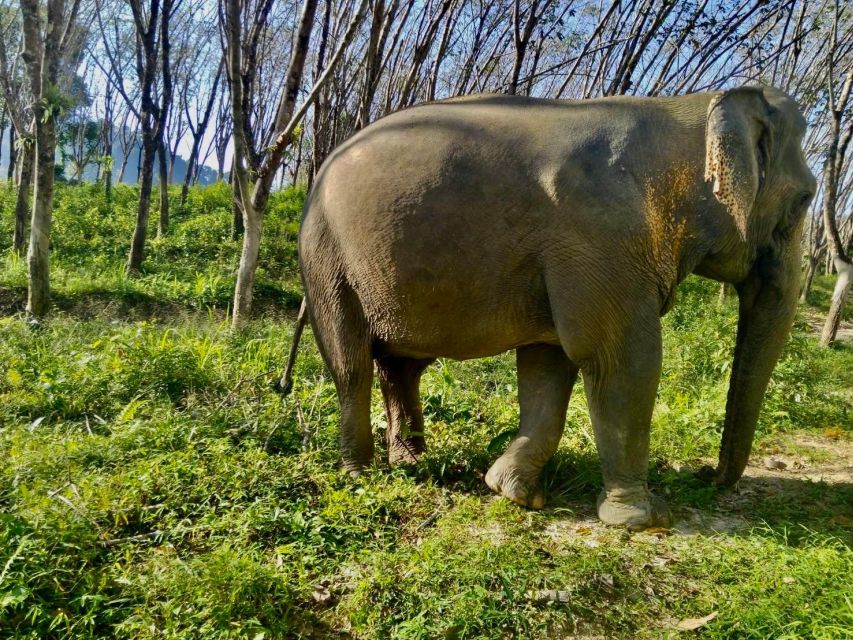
(154, 486)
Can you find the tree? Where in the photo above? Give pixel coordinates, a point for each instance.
(151, 37)
(254, 172)
(107, 132)
(22, 132)
(833, 168)
(45, 42)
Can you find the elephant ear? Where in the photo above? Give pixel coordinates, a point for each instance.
(737, 142)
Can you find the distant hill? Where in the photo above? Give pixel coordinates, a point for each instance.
(207, 175)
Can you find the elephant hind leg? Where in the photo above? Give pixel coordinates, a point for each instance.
(345, 343)
(545, 380)
(399, 379)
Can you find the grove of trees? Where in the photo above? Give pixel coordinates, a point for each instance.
(263, 90)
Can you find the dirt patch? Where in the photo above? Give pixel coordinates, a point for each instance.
(808, 457)
(785, 473)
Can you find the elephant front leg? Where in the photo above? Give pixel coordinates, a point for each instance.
(621, 398)
(545, 379)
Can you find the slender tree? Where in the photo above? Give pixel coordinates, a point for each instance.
(833, 167)
(252, 191)
(17, 101)
(151, 23)
(45, 42)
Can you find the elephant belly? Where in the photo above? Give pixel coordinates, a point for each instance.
(447, 303)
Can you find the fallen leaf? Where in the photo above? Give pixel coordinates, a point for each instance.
(583, 531)
(788, 580)
(833, 433)
(321, 594)
(657, 531)
(549, 595)
(691, 624)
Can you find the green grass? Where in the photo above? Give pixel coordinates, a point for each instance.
(154, 486)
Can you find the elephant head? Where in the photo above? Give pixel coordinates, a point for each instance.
(756, 165)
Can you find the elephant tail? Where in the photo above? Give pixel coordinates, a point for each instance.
(284, 385)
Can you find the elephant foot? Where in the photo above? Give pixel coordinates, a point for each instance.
(508, 479)
(634, 510)
(405, 452)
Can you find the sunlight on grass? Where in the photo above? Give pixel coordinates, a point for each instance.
(155, 486)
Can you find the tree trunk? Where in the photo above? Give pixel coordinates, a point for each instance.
(22, 201)
(123, 167)
(38, 255)
(10, 170)
(2, 130)
(245, 286)
(198, 134)
(521, 40)
(809, 278)
(108, 176)
(237, 228)
(137, 245)
(839, 297)
(163, 224)
(253, 199)
(42, 54)
(236, 214)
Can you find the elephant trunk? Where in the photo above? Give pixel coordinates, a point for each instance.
(768, 304)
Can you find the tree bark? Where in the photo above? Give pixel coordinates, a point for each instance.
(521, 38)
(107, 148)
(253, 201)
(832, 176)
(152, 114)
(42, 54)
(10, 170)
(163, 224)
(2, 129)
(811, 268)
(22, 199)
(137, 243)
(38, 255)
(839, 297)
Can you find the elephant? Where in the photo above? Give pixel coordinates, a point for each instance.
(466, 227)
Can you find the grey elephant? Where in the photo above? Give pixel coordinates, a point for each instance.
(466, 227)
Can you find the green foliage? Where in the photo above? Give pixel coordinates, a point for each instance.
(154, 486)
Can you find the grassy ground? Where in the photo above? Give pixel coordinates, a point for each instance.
(153, 485)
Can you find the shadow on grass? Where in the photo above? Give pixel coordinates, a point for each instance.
(130, 304)
(796, 504)
(800, 506)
